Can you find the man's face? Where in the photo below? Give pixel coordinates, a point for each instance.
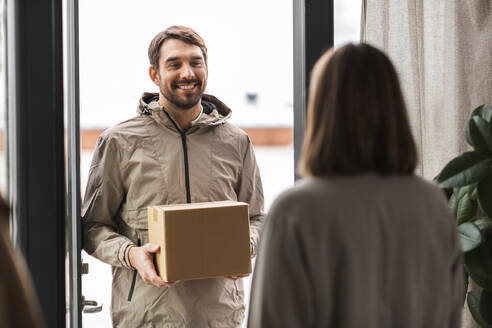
(182, 73)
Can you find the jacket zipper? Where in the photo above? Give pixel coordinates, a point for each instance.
(187, 172)
(185, 153)
(236, 295)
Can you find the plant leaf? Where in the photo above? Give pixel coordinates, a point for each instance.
(470, 236)
(477, 133)
(465, 169)
(453, 204)
(484, 192)
(473, 301)
(485, 131)
(473, 195)
(478, 265)
(461, 203)
(466, 209)
(461, 191)
(484, 224)
(486, 306)
(484, 111)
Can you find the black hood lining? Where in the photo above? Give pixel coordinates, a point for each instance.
(209, 103)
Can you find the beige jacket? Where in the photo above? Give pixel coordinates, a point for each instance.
(147, 161)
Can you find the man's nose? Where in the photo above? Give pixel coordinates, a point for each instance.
(187, 72)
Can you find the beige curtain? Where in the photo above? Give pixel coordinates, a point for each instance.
(442, 51)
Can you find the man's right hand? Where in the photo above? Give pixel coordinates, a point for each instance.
(141, 258)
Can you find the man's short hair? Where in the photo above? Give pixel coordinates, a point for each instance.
(182, 33)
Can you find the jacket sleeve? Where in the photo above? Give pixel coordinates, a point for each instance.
(251, 191)
(103, 197)
(281, 294)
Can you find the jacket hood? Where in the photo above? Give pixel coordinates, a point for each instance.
(214, 111)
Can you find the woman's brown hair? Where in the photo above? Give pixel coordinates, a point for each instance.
(357, 121)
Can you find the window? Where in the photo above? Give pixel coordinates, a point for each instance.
(347, 21)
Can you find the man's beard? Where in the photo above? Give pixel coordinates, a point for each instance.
(186, 103)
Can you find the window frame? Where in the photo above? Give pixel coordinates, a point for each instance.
(313, 34)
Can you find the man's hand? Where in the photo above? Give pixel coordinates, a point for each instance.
(141, 258)
(237, 277)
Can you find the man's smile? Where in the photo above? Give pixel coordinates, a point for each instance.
(187, 86)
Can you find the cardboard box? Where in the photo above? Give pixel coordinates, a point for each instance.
(200, 240)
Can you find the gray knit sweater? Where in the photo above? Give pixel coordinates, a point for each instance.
(364, 251)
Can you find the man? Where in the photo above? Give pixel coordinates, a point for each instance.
(179, 149)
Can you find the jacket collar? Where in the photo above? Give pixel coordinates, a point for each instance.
(215, 112)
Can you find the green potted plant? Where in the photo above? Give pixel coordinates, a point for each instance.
(467, 179)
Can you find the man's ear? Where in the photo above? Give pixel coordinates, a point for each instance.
(154, 75)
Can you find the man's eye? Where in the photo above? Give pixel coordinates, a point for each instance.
(173, 65)
(196, 64)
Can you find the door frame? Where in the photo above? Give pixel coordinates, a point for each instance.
(36, 146)
(72, 109)
(313, 33)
